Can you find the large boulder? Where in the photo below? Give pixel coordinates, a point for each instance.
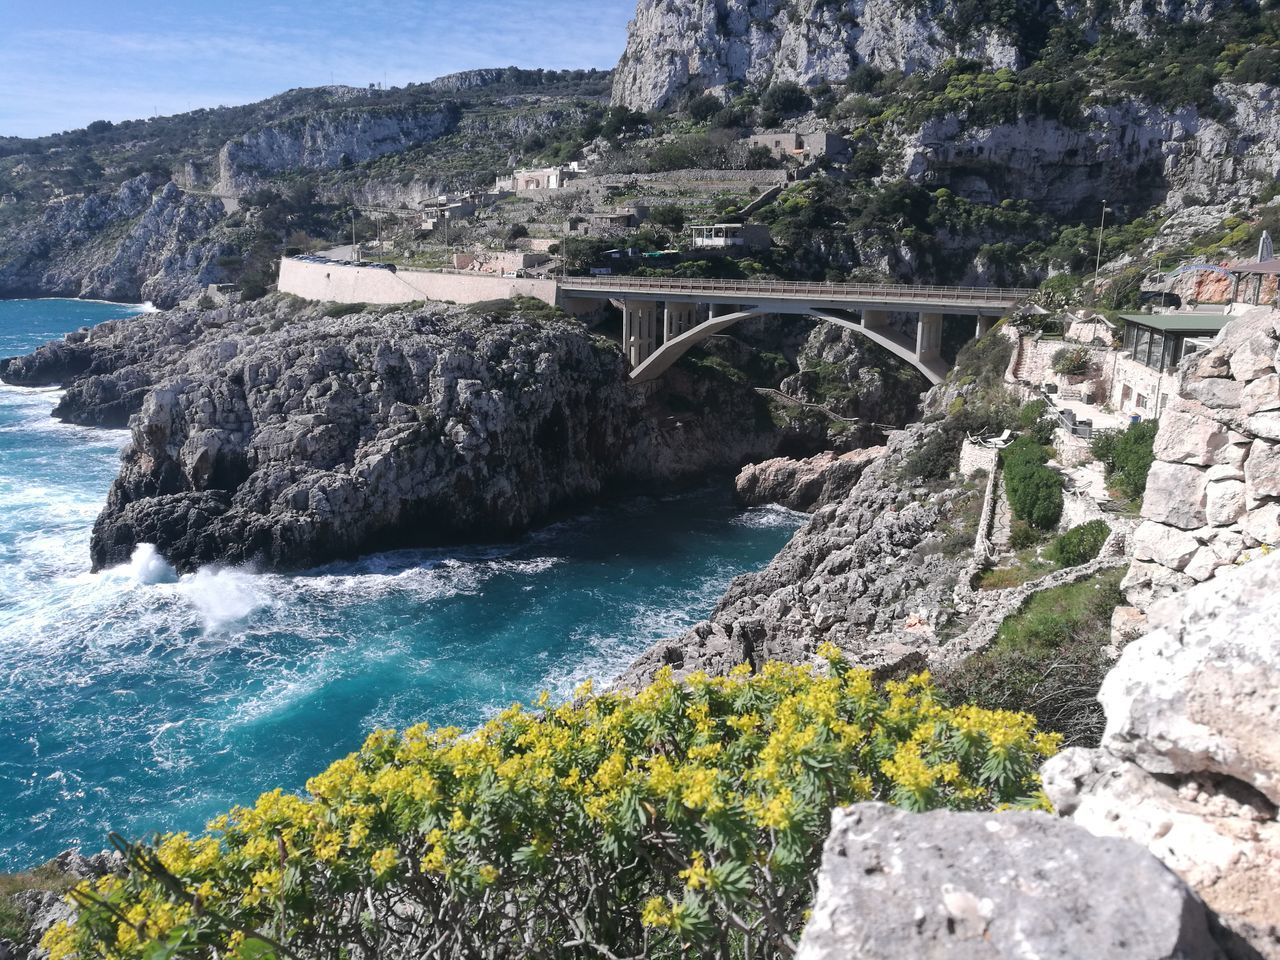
(803, 484)
(975, 885)
(1190, 762)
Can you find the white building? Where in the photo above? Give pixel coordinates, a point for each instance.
(731, 236)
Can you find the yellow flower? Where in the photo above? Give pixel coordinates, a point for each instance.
(656, 913)
(384, 861)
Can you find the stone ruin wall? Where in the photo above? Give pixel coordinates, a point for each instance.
(1213, 495)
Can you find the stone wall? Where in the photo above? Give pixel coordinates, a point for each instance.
(1189, 764)
(337, 283)
(1213, 494)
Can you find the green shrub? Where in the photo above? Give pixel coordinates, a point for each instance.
(1035, 491)
(343, 309)
(1079, 544)
(1023, 535)
(1127, 455)
(1031, 413)
(1057, 682)
(1071, 361)
(686, 820)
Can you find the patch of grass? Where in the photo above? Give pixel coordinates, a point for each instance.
(344, 309)
(1028, 565)
(1048, 660)
(13, 922)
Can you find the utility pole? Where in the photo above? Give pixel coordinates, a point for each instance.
(1097, 267)
(353, 235)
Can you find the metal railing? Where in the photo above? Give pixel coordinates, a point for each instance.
(889, 293)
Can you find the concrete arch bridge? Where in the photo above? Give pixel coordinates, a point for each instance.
(663, 318)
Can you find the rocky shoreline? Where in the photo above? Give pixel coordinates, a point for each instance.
(284, 434)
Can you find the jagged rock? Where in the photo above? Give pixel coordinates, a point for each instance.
(42, 907)
(1189, 763)
(977, 885)
(803, 484)
(858, 574)
(162, 248)
(272, 433)
(1175, 495)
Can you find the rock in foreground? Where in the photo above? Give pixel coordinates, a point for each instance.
(1189, 764)
(980, 886)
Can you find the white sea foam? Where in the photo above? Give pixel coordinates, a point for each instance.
(222, 596)
(148, 566)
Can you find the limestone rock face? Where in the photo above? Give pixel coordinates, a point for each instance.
(675, 44)
(327, 140)
(803, 484)
(971, 885)
(272, 433)
(867, 573)
(164, 248)
(1189, 764)
(41, 909)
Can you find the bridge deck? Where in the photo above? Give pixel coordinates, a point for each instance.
(760, 292)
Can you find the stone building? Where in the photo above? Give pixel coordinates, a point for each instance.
(801, 146)
(1143, 375)
(541, 178)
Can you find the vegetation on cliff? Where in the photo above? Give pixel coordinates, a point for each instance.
(687, 817)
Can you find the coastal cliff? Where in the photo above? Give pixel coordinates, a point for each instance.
(283, 434)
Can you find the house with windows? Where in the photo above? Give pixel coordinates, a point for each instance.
(1144, 371)
(731, 237)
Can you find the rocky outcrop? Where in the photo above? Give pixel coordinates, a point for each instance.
(1189, 764)
(327, 140)
(978, 885)
(677, 45)
(1130, 148)
(141, 241)
(1213, 494)
(803, 484)
(275, 433)
(44, 903)
(873, 573)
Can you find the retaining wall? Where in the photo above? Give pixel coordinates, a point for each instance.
(338, 283)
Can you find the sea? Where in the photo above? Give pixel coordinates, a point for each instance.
(136, 700)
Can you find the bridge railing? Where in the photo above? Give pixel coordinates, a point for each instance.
(795, 288)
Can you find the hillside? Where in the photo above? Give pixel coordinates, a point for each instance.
(155, 209)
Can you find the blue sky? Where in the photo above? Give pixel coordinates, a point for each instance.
(64, 63)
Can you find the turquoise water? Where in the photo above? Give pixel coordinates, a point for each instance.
(134, 700)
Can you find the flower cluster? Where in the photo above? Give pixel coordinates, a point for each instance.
(688, 814)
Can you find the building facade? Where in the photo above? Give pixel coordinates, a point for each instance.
(1144, 371)
(731, 237)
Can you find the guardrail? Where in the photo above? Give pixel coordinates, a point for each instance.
(999, 296)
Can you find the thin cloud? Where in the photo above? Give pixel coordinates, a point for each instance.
(59, 77)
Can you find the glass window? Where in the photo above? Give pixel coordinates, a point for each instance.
(1129, 333)
(1141, 344)
(1156, 352)
(1142, 401)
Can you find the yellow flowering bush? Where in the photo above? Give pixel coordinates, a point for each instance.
(685, 818)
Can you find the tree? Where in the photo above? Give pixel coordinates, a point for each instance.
(786, 99)
(704, 107)
(669, 216)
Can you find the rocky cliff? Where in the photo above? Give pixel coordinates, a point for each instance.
(144, 240)
(677, 45)
(280, 434)
(328, 140)
(872, 572)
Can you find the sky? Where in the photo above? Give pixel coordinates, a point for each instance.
(65, 63)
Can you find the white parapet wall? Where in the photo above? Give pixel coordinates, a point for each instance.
(339, 283)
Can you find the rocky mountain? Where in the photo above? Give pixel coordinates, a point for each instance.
(1063, 105)
(674, 46)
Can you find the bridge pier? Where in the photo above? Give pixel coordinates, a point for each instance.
(678, 318)
(875, 319)
(929, 336)
(639, 330)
